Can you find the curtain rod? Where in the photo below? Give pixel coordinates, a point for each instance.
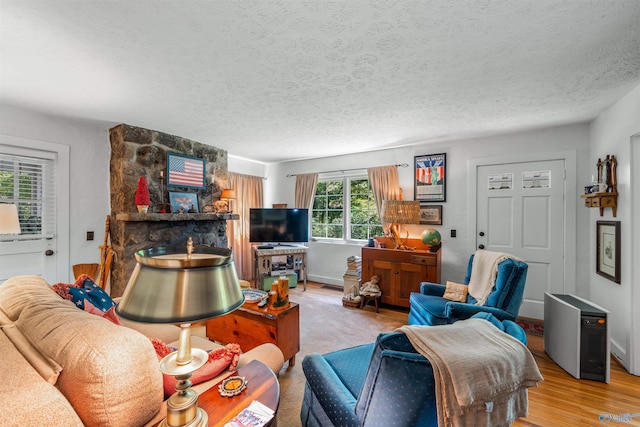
(404, 165)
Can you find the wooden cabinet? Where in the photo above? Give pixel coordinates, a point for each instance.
(251, 326)
(400, 272)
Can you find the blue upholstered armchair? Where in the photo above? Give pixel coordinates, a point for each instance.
(429, 307)
(386, 383)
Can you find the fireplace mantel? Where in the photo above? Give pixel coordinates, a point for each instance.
(172, 217)
(131, 232)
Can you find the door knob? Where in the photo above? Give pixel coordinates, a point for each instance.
(481, 247)
(481, 233)
(48, 252)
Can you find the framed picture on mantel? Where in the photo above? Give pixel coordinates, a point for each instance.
(183, 202)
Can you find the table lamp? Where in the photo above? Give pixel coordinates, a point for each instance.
(229, 196)
(171, 286)
(9, 221)
(396, 212)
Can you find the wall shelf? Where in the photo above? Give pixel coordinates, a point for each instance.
(601, 200)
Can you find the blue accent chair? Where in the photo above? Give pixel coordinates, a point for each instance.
(429, 307)
(386, 383)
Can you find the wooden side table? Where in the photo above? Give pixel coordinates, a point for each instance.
(364, 299)
(251, 326)
(262, 385)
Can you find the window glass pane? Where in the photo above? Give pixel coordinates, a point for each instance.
(365, 222)
(319, 202)
(328, 204)
(335, 187)
(335, 202)
(335, 231)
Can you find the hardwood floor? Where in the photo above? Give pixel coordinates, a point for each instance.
(561, 400)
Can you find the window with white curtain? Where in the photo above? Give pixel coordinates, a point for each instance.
(29, 183)
(344, 209)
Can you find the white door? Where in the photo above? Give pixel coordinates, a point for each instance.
(520, 211)
(27, 179)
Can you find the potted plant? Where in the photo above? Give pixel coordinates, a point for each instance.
(142, 195)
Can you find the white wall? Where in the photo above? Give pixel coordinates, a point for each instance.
(611, 133)
(89, 175)
(327, 262)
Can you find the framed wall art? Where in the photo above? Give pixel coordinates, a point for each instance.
(608, 249)
(184, 171)
(431, 214)
(430, 177)
(183, 202)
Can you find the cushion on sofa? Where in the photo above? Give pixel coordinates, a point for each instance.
(25, 398)
(109, 373)
(48, 369)
(20, 291)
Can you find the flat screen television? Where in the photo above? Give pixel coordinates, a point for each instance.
(278, 225)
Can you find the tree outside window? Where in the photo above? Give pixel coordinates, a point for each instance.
(345, 209)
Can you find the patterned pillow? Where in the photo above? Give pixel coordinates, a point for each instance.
(85, 289)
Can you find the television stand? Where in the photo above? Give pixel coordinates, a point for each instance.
(263, 266)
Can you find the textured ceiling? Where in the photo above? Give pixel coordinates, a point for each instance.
(289, 79)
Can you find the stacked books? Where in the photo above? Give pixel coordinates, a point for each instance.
(353, 275)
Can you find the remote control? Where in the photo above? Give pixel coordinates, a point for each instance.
(263, 303)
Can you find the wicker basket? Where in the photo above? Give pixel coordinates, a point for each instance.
(347, 302)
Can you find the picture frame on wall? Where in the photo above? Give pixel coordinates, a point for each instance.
(430, 214)
(183, 202)
(608, 250)
(185, 171)
(430, 177)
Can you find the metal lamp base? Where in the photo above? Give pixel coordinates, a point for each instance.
(201, 420)
(183, 411)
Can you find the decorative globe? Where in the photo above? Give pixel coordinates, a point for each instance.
(431, 236)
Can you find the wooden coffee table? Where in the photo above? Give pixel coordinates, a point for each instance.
(251, 326)
(262, 385)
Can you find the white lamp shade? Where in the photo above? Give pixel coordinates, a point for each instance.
(9, 221)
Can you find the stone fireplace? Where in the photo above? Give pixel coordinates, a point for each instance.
(137, 152)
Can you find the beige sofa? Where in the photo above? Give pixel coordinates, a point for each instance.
(62, 366)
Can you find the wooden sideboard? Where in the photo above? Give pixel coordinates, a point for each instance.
(400, 272)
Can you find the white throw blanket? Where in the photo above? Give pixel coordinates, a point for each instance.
(481, 373)
(483, 274)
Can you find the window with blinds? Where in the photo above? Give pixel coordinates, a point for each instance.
(30, 184)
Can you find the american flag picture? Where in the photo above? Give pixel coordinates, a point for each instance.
(185, 171)
(430, 178)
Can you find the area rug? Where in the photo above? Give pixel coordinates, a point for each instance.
(531, 326)
(325, 325)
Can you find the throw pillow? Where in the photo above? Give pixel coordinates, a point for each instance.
(109, 315)
(456, 292)
(85, 289)
(226, 357)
